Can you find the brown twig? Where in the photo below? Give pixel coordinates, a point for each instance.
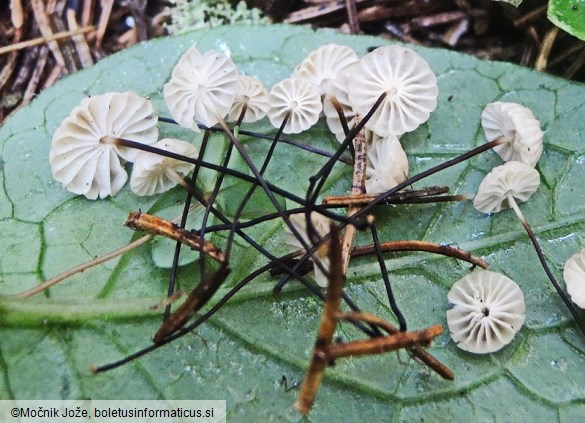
(545, 49)
(314, 374)
(530, 16)
(357, 187)
(45, 28)
(36, 75)
(383, 344)
(103, 21)
(352, 20)
(43, 40)
(417, 351)
(429, 247)
(81, 46)
(158, 226)
(82, 267)
(406, 197)
(196, 299)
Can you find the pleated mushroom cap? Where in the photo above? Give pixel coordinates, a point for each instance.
(408, 81)
(154, 174)
(324, 65)
(386, 165)
(300, 99)
(488, 311)
(322, 226)
(339, 90)
(82, 157)
(202, 87)
(574, 275)
(512, 178)
(253, 96)
(517, 127)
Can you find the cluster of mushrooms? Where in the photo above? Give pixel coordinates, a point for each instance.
(392, 87)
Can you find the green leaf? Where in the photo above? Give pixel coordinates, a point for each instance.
(241, 355)
(515, 3)
(568, 15)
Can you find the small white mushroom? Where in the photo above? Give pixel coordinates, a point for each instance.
(251, 101)
(387, 164)
(153, 173)
(322, 226)
(202, 88)
(324, 65)
(339, 94)
(503, 184)
(83, 156)
(489, 310)
(500, 189)
(296, 102)
(574, 275)
(517, 127)
(408, 82)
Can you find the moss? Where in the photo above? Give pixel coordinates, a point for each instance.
(187, 15)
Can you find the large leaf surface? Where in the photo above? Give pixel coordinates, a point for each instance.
(48, 344)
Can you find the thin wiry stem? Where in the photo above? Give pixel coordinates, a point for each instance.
(384, 272)
(382, 197)
(271, 187)
(544, 264)
(251, 190)
(302, 146)
(204, 317)
(212, 199)
(175, 265)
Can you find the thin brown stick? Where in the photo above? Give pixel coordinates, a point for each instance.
(84, 266)
(42, 40)
(103, 21)
(83, 51)
(408, 197)
(36, 76)
(53, 76)
(357, 187)
(196, 299)
(158, 226)
(45, 28)
(429, 247)
(383, 344)
(16, 13)
(574, 67)
(352, 20)
(545, 49)
(530, 16)
(169, 300)
(314, 375)
(417, 351)
(87, 12)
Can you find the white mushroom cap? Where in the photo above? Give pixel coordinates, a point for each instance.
(153, 173)
(387, 164)
(339, 90)
(516, 179)
(408, 81)
(489, 310)
(322, 226)
(517, 127)
(86, 165)
(324, 65)
(201, 88)
(300, 99)
(251, 94)
(574, 275)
